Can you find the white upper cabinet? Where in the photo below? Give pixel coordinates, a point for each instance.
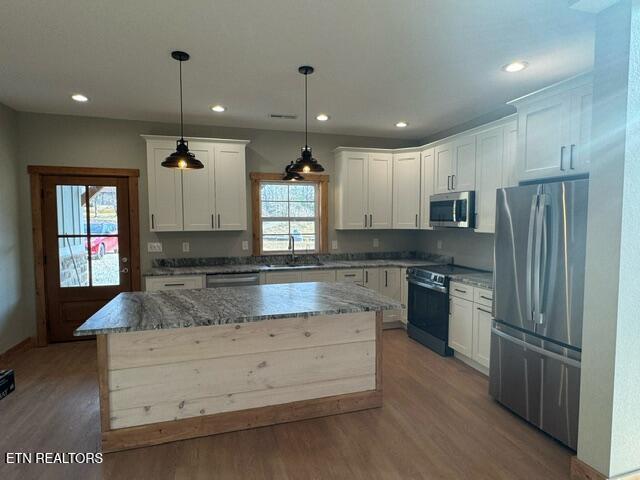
(464, 159)
(198, 198)
(554, 130)
(443, 167)
(230, 184)
(209, 199)
(427, 172)
(406, 190)
(509, 158)
(363, 190)
(489, 162)
(379, 189)
(165, 189)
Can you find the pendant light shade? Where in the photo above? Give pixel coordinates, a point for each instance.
(305, 163)
(291, 176)
(182, 158)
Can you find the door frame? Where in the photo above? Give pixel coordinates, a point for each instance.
(36, 173)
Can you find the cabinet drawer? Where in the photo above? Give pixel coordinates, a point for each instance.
(318, 276)
(483, 296)
(153, 284)
(353, 275)
(461, 290)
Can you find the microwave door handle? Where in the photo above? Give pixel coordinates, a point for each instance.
(529, 260)
(454, 204)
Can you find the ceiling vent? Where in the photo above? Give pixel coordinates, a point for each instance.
(283, 116)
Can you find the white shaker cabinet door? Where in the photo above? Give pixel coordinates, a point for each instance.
(490, 146)
(230, 184)
(461, 326)
(482, 334)
(165, 189)
(351, 191)
(406, 190)
(464, 161)
(427, 172)
(380, 190)
(443, 167)
(198, 196)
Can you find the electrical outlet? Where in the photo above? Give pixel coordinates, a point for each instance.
(185, 246)
(154, 247)
(376, 243)
(334, 244)
(245, 245)
(439, 244)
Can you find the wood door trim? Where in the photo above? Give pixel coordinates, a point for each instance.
(37, 172)
(83, 171)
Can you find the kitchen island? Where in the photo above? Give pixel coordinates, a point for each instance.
(180, 364)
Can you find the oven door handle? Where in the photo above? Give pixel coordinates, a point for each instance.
(426, 285)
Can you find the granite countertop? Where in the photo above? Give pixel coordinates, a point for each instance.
(479, 279)
(256, 268)
(139, 311)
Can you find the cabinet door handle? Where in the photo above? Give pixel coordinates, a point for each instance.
(174, 284)
(366, 276)
(453, 179)
(448, 182)
(562, 149)
(386, 278)
(416, 220)
(571, 149)
(153, 223)
(349, 274)
(213, 225)
(365, 220)
(486, 298)
(370, 220)
(485, 311)
(461, 291)
(218, 220)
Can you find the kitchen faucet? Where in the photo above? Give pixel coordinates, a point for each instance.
(292, 247)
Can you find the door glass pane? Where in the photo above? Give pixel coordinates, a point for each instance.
(103, 210)
(72, 213)
(105, 261)
(74, 262)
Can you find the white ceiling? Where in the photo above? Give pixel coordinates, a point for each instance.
(432, 63)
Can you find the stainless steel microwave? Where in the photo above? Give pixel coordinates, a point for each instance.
(452, 210)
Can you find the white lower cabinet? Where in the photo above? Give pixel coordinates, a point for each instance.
(282, 277)
(182, 282)
(351, 275)
(318, 276)
(470, 320)
(481, 334)
(461, 325)
(372, 278)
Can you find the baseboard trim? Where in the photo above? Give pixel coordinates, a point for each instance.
(164, 432)
(25, 344)
(582, 471)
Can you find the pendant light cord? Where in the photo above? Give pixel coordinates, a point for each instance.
(306, 115)
(181, 114)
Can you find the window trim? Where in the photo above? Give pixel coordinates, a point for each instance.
(322, 183)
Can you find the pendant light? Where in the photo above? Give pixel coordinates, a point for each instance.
(291, 176)
(306, 163)
(182, 158)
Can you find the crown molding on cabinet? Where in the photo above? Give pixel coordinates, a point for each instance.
(569, 83)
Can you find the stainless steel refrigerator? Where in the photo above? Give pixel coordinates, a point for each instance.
(536, 337)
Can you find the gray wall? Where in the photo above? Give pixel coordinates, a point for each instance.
(15, 324)
(466, 247)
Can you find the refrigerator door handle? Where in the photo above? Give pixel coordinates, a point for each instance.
(534, 348)
(538, 316)
(529, 264)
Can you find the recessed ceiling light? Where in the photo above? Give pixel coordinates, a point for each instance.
(323, 117)
(514, 67)
(218, 108)
(78, 97)
(401, 124)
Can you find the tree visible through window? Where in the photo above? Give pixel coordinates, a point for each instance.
(289, 211)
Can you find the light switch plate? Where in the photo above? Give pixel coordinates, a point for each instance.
(154, 247)
(376, 243)
(334, 244)
(439, 244)
(245, 245)
(185, 246)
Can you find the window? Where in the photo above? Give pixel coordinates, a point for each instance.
(288, 212)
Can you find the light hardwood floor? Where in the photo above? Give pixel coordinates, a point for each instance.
(437, 422)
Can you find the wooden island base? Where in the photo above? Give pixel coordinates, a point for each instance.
(165, 385)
